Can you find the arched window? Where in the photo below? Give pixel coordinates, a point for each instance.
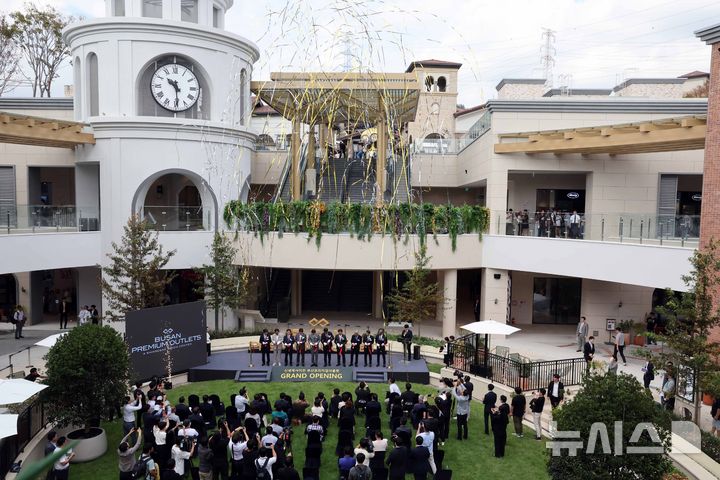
(77, 78)
(119, 8)
(441, 84)
(429, 82)
(173, 202)
(434, 143)
(152, 8)
(149, 106)
(93, 85)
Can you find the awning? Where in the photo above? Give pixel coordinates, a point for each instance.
(664, 135)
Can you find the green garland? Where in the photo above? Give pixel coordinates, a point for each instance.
(360, 220)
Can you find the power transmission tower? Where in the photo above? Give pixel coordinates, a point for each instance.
(348, 53)
(547, 55)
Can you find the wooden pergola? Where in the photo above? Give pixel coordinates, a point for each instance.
(43, 132)
(664, 135)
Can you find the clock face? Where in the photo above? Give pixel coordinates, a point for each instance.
(174, 87)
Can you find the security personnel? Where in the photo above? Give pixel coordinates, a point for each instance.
(368, 340)
(355, 342)
(340, 342)
(300, 339)
(326, 339)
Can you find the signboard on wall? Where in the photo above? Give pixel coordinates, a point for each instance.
(311, 374)
(174, 333)
(610, 324)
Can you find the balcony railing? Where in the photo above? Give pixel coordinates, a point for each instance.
(177, 219)
(452, 146)
(48, 218)
(672, 230)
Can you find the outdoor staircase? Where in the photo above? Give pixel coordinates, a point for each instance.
(256, 375)
(369, 376)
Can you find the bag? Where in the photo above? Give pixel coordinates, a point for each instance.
(261, 472)
(361, 474)
(140, 469)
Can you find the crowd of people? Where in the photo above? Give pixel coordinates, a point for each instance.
(298, 345)
(553, 223)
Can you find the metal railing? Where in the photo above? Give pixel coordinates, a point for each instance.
(453, 146)
(676, 230)
(505, 370)
(177, 219)
(30, 421)
(47, 218)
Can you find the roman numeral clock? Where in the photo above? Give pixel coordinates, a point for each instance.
(174, 87)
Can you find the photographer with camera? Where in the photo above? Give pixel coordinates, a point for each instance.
(462, 408)
(182, 452)
(126, 454)
(237, 446)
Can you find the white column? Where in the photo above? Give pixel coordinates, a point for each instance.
(450, 307)
(493, 295)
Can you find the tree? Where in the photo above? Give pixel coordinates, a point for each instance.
(224, 286)
(87, 375)
(606, 399)
(418, 299)
(38, 32)
(135, 278)
(692, 316)
(10, 74)
(701, 91)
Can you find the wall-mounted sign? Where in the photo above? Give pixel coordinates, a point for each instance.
(697, 197)
(610, 324)
(573, 195)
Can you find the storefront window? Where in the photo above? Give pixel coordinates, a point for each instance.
(556, 300)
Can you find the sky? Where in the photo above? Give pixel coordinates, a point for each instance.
(597, 43)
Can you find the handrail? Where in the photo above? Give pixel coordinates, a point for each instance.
(286, 172)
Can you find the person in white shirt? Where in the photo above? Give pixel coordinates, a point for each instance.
(187, 431)
(180, 455)
(428, 440)
(575, 220)
(317, 409)
(236, 448)
(364, 448)
(380, 444)
(393, 386)
(241, 402)
(269, 438)
(84, 315)
(265, 461)
(62, 465)
(129, 410)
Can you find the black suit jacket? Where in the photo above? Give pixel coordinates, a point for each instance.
(419, 460)
(489, 400)
(588, 350)
(397, 461)
(561, 390)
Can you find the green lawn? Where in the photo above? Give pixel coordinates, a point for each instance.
(525, 458)
(435, 367)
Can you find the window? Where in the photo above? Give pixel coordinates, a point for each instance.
(119, 8)
(152, 8)
(189, 11)
(93, 85)
(243, 81)
(556, 300)
(77, 77)
(216, 17)
(429, 82)
(441, 84)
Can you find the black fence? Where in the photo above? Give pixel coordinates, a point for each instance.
(512, 372)
(30, 422)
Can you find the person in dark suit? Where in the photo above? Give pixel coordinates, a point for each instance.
(589, 350)
(381, 341)
(355, 342)
(406, 337)
(300, 341)
(265, 347)
(182, 410)
(326, 339)
(489, 401)
(288, 341)
(499, 428)
(340, 342)
(555, 391)
(649, 374)
(368, 340)
(397, 461)
(420, 460)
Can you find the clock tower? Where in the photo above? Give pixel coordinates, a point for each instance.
(166, 91)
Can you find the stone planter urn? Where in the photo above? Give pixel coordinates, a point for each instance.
(90, 445)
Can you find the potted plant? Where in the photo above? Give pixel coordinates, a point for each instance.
(87, 376)
(710, 389)
(639, 330)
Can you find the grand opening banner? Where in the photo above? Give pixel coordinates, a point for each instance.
(174, 333)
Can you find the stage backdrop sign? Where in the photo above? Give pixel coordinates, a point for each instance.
(311, 374)
(152, 333)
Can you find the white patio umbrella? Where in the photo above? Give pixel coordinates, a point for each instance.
(8, 425)
(17, 390)
(50, 341)
(487, 328)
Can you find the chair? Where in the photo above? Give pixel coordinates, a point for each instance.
(372, 425)
(193, 401)
(217, 404)
(232, 417)
(345, 439)
(232, 399)
(379, 473)
(443, 475)
(311, 473)
(439, 456)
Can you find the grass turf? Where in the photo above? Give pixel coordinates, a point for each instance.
(525, 458)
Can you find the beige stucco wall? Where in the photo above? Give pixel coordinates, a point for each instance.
(652, 90)
(521, 91)
(427, 122)
(267, 166)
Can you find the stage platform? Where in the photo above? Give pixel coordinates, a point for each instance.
(235, 365)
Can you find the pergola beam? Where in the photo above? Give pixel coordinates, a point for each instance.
(45, 132)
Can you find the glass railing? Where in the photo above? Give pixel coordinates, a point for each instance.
(48, 218)
(478, 129)
(652, 229)
(177, 219)
(452, 146)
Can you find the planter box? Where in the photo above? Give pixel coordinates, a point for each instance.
(89, 448)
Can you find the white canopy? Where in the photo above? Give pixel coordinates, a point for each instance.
(17, 390)
(8, 425)
(50, 341)
(490, 327)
